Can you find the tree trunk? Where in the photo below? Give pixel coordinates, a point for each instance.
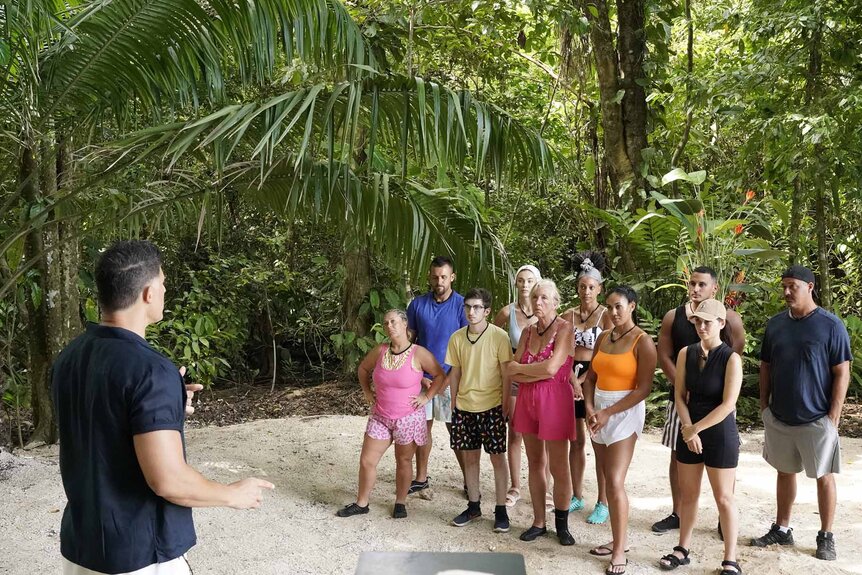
(55, 319)
(825, 284)
(37, 312)
(607, 70)
(796, 208)
(622, 97)
(357, 284)
(632, 50)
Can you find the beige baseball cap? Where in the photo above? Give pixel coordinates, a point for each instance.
(711, 310)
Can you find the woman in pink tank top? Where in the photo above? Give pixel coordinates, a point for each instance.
(391, 380)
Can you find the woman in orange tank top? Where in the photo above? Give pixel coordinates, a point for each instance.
(618, 381)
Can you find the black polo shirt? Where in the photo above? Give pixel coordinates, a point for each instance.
(109, 385)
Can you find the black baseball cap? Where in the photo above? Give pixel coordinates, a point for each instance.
(801, 273)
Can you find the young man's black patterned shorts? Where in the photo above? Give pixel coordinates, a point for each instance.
(483, 429)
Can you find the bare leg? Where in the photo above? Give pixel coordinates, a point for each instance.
(514, 453)
(372, 451)
(403, 470)
(578, 459)
(673, 476)
(827, 496)
(536, 462)
(598, 450)
(689, 477)
(559, 465)
(617, 458)
(501, 477)
(785, 489)
(723, 483)
(471, 472)
(459, 455)
(423, 454)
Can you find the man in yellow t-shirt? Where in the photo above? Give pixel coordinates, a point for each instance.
(479, 388)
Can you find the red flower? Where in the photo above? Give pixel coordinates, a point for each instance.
(699, 231)
(749, 195)
(738, 229)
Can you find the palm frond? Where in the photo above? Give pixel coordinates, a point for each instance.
(401, 219)
(112, 53)
(421, 122)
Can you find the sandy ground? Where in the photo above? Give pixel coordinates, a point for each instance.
(313, 462)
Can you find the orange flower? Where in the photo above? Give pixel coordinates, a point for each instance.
(749, 195)
(738, 229)
(699, 231)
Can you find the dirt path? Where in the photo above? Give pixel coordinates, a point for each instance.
(313, 463)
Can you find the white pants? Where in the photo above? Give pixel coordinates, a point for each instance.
(178, 566)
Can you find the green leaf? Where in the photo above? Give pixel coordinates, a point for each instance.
(375, 299)
(618, 97)
(675, 174)
(590, 167)
(761, 253)
(593, 10)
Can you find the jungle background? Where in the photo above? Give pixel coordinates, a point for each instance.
(299, 162)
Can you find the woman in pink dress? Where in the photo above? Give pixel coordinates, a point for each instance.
(391, 379)
(545, 410)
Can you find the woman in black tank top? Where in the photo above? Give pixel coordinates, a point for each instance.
(708, 381)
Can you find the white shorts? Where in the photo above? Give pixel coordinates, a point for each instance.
(178, 566)
(620, 425)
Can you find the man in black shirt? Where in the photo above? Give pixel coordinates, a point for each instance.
(121, 408)
(678, 332)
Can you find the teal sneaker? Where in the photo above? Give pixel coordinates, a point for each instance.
(576, 504)
(599, 515)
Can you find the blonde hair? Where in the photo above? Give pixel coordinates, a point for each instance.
(548, 285)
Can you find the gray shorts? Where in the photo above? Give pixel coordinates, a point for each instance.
(440, 408)
(813, 446)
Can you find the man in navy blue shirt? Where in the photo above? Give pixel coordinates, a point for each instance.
(804, 375)
(434, 317)
(121, 407)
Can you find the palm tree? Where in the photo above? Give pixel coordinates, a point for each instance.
(281, 98)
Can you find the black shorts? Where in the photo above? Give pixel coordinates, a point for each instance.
(483, 429)
(580, 406)
(720, 448)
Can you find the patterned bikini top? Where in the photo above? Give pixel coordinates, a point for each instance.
(587, 338)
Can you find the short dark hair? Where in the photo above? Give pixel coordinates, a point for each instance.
(440, 261)
(706, 270)
(480, 293)
(123, 270)
(631, 296)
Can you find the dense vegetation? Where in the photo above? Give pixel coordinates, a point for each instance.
(300, 161)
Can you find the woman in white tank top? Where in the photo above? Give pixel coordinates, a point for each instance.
(515, 318)
(589, 320)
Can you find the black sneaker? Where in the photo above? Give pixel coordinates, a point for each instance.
(467, 516)
(416, 486)
(825, 546)
(666, 524)
(501, 519)
(533, 532)
(773, 536)
(351, 510)
(400, 511)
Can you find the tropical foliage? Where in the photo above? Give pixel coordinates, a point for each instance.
(301, 160)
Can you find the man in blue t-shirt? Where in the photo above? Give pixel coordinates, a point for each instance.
(120, 407)
(804, 375)
(434, 317)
